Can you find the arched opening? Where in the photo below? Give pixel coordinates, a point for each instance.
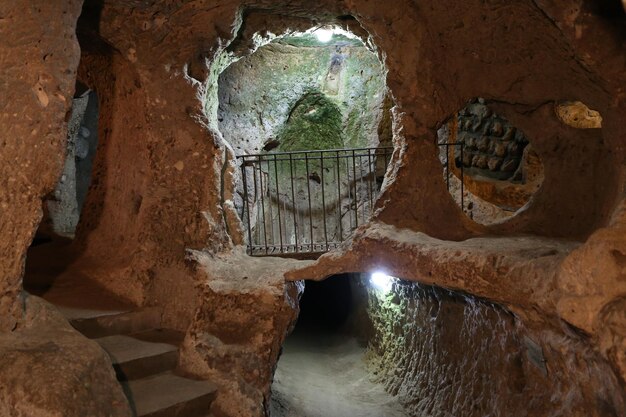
(63, 207)
(490, 167)
(308, 116)
(324, 367)
(326, 306)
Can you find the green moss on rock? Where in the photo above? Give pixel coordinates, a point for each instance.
(314, 123)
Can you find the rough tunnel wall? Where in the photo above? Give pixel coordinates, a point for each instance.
(446, 354)
(236, 335)
(34, 101)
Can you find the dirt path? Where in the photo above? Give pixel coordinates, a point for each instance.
(326, 377)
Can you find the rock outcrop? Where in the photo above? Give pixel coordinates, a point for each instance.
(48, 369)
(451, 354)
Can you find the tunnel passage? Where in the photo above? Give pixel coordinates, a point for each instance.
(50, 250)
(326, 306)
(321, 371)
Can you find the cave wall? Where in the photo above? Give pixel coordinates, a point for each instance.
(163, 181)
(446, 353)
(45, 362)
(35, 102)
(259, 92)
(184, 177)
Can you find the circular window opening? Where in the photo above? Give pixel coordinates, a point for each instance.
(308, 116)
(490, 167)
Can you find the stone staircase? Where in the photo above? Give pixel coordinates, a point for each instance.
(145, 357)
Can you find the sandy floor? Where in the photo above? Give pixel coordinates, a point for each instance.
(325, 376)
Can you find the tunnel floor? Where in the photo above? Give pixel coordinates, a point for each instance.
(322, 371)
(328, 378)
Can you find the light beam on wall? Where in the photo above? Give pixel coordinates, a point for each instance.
(381, 281)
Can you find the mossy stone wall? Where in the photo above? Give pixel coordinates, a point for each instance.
(259, 93)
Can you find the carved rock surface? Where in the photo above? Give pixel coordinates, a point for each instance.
(492, 147)
(453, 349)
(236, 334)
(38, 60)
(578, 115)
(48, 369)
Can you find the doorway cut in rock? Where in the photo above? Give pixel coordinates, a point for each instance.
(323, 369)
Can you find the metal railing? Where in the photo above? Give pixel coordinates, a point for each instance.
(307, 202)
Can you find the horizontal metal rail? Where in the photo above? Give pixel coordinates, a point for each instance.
(380, 149)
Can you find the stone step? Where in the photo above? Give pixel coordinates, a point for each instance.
(125, 322)
(170, 395)
(142, 354)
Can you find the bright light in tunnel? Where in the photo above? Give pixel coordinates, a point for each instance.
(381, 281)
(324, 35)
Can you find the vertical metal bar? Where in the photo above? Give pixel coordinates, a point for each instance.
(256, 197)
(323, 199)
(356, 207)
(260, 160)
(349, 190)
(462, 179)
(448, 166)
(293, 202)
(285, 230)
(308, 187)
(339, 196)
(280, 224)
(270, 205)
(371, 178)
(246, 205)
(361, 186)
(302, 222)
